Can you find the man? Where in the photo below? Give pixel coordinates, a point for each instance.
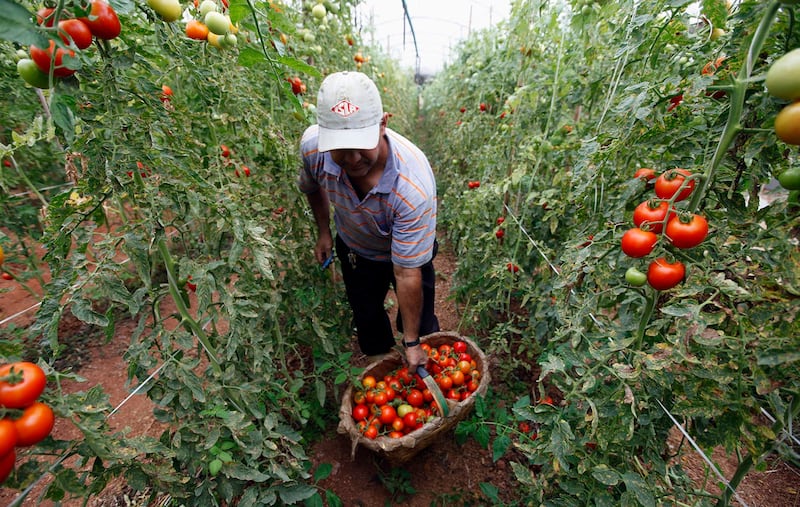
(383, 194)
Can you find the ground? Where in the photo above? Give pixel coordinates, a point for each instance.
(443, 474)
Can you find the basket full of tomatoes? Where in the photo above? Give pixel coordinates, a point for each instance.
(390, 411)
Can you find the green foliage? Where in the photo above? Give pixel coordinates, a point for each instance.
(580, 97)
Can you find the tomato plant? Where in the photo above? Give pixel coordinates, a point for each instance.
(21, 384)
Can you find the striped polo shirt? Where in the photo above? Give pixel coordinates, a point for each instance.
(396, 220)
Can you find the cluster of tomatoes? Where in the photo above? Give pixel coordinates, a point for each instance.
(25, 420)
(399, 403)
(298, 86)
(473, 184)
(658, 217)
(212, 25)
(783, 82)
(225, 152)
(76, 33)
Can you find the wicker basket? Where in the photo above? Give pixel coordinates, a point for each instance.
(399, 450)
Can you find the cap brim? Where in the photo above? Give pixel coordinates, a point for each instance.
(348, 139)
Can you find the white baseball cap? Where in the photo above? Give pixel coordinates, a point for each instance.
(349, 112)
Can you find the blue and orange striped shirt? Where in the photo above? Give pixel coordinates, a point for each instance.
(396, 220)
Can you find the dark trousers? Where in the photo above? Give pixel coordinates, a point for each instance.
(367, 282)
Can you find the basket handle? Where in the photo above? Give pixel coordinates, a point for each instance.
(433, 387)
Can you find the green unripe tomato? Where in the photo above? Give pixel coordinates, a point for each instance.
(790, 178)
(20, 54)
(30, 73)
(635, 277)
(217, 23)
(319, 11)
(168, 10)
(229, 41)
(783, 76)
(207, 6)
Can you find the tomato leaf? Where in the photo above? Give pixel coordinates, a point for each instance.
(332, 499)
(295, 493)
(499, 447)
(605, 475)
(322, 472)
(639, 489)
(490, 491)
(778, 359)
(16, 26)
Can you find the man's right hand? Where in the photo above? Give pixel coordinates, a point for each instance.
(323, 248)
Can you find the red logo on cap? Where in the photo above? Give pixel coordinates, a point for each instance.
(344, 108)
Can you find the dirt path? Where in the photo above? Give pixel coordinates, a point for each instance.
(443, 474)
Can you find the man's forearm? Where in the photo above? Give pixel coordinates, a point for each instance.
(320, 207)
(409, 296)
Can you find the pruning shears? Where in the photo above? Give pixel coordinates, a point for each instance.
(327, 263)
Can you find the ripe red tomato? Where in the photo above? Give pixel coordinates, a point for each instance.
(410, 421)
(226, 152)
(8, 436)
(670, 183)
(687, 231)
(35, 424)
(7, 276)
(415, 398)
(445, 382)
(75, 30)
(646, 174)
(662, 275)
(371, 432)
(45, 15)
(500, 233)
(638, 243)
(457, 377)
(7, 465)
(459, 346)
(387, 415)
(25, 392)
(103, 21)
(453, 394)
(483, 106)
(651, 214)
(398, 424)
(381, 398)
(512, 268)
(500, 220)
(473, 385)
(44, 58)
(360, 412)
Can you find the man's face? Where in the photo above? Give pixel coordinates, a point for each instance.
(356, 163)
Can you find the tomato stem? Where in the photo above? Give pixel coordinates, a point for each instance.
(186, 318)
(646, 314)
(733, 127)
